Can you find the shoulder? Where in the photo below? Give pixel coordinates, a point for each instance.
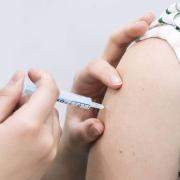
(151, 63)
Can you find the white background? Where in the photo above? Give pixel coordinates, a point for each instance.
(61, 36)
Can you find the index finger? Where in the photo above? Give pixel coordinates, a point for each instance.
(120, 39)
(42, 102)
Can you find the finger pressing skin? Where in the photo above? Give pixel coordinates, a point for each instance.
(88, 131)
(105, 73)
(98, 71)
(120, 39)
(42, 102)
(10, 95)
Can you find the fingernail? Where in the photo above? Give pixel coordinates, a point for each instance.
(116, 80)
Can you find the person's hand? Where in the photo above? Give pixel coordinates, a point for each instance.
(30, 134)
(82, 126)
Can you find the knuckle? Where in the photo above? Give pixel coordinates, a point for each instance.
(98, 68)
(91, 69)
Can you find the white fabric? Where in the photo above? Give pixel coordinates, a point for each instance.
(168, 33)
(167, 27)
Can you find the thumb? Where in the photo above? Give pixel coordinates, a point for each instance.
(10, 95)
(89, 130)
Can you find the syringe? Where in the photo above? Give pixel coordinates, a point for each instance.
(68, 98)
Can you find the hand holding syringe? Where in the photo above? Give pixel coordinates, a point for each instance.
(69, 98)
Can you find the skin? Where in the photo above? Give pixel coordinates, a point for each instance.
(141, 141)
(30, 132)
(82, 127)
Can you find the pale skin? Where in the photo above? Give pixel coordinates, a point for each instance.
(82, 127)
(30, 132)
(142, 137)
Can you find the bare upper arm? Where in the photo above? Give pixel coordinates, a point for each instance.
(142, 136)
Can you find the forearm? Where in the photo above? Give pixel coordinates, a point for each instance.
(141, 140)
